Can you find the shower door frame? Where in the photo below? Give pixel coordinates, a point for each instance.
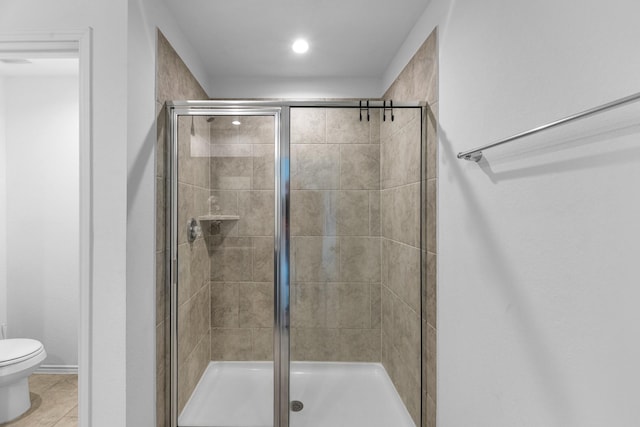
(281, 240)
(280, 110)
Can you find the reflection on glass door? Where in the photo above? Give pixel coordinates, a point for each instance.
(225, 288)
(355, 275)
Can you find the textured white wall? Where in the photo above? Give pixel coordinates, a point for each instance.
(42, 213)
(538, 246)
(3, 211)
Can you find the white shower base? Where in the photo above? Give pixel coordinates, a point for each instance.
(240, 394)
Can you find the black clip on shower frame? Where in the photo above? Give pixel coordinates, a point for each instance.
(364, 108)
(385, 108)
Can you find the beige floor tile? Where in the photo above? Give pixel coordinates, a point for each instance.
(67, 422)
(40, 382)
(54, 402)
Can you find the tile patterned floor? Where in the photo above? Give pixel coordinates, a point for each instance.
(54, 402)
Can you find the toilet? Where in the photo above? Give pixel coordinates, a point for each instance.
(19, 358)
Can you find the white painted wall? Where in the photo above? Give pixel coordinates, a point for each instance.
(538, 246)
(3, 212)
(143, 19)
(123, 344)
(434, 15)
(141, 333)
(154, 13)
(504, 66)
(300, 88)
(42, 213)
(109, 133)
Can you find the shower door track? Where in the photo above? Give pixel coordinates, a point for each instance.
(280, 110)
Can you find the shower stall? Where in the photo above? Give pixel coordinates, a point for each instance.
(295, 263)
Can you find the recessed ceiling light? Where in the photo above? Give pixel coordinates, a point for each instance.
(236, 122)
(300, 46)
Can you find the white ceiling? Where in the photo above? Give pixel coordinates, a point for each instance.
(39, 67)
(252, 38)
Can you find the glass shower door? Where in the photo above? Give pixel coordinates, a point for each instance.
(355, 267)
(224, 281)
(295, 236)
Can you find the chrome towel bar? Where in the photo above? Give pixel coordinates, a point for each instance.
(476, 154)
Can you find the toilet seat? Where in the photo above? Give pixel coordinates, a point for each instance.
(16, 350)
(19, 358)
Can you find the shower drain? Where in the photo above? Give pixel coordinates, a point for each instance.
(296, 406)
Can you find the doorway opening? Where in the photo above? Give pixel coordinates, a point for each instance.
(45, 281)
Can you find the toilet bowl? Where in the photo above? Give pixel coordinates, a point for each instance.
(19, 358)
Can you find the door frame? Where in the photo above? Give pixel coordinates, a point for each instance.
(54, 44)
(281, 243)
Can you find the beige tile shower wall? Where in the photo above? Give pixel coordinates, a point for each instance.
(193, 260)
(400, 212)
(241, 252)
(404, 182)
(175, 82)
(335, 229)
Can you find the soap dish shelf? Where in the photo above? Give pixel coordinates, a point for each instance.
(218, 218)
(214, 222)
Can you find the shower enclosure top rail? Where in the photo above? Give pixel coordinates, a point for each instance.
(243, 104)
(476, 154)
